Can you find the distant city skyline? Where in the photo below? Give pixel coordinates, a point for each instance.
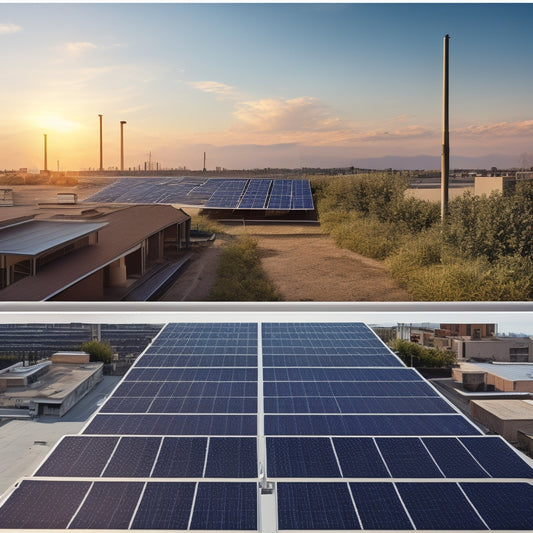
(264, 85)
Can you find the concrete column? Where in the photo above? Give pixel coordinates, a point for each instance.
(117, 273)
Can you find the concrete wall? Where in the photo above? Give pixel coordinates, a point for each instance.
(486, 185)
(498, 417)
(492, 350)
(70, 400)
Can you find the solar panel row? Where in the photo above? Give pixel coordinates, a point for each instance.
(405, 505)
(396, 457)
(155, 457)
(135, 505)
(214, 193)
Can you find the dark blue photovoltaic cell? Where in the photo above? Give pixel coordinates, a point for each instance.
(301, 457)
(286, 404)
(195, 361)
(331, 360)
(204, 405)
(340, 374)
(173, 425)
(497, 457)
(79, 457)
(109, 505)
(29, 505)
(165, 506)
(379, 425)
(394, 405)
(187, 389)
(181, 457)
(379, 507)
(359, 457)
(231, 457)
(453, 459)
(225, 506)
(407, 458)
(348, 388)
(256, 194)
(315, 506)
(503, 505)
(227, 196)
(192, 374)
(438, 506)
(280, 195)
(133, 457)
(122, 404)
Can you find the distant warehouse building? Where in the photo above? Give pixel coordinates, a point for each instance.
(76, 252)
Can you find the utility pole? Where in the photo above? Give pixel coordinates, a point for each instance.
(45, 154)
(445, 158)
(122, 122)
(101, 146)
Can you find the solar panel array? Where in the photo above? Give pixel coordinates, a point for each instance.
(266, 426)
(213, 193)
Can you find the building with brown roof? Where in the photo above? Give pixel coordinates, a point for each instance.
(85, 252)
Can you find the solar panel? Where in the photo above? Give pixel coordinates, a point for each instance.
(310, 457)
(348, 439)
(29, 505)
(225, 506)
(108, 505)
(315, 506)
(379, 506)
(79, 457)
(438, 506)
(165, 506)
(181, 457)
(502, 505)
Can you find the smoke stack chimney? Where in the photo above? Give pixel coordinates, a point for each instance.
(45, 154)
(122, 122)
(445, 159)
(204, 163)
(101, 146)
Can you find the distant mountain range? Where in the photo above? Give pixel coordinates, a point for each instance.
(429, 162)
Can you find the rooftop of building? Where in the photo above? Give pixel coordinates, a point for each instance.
(121, 228)
(510, 371)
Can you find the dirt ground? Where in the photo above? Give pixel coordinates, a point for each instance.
(304, 265)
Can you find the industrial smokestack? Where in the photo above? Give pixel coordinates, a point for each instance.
(445, 158)
(101, 146)
(122, 122)
(45, 154)
(204, 163)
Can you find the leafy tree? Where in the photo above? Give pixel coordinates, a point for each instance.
(413, 354)
(98, 350)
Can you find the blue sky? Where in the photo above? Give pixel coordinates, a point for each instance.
(262, 84)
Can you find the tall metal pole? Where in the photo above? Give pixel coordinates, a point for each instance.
(445, 159)
(101, 146)
(45, 154)
(204, 163)
(122, 122)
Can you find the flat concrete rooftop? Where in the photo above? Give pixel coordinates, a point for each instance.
(54, 386)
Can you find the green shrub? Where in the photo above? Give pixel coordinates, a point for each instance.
(98, 350)
(415, 355)
(240, 276)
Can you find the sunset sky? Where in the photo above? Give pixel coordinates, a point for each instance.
(258, 85)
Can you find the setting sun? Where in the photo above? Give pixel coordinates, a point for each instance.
(53, 123)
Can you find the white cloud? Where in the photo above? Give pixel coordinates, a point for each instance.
(501, 129)
(76, 49)
(6, 29)
(222, 90)
(295, 114)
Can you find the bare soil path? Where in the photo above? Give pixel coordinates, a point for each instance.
(308, 266)
(304, 265)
